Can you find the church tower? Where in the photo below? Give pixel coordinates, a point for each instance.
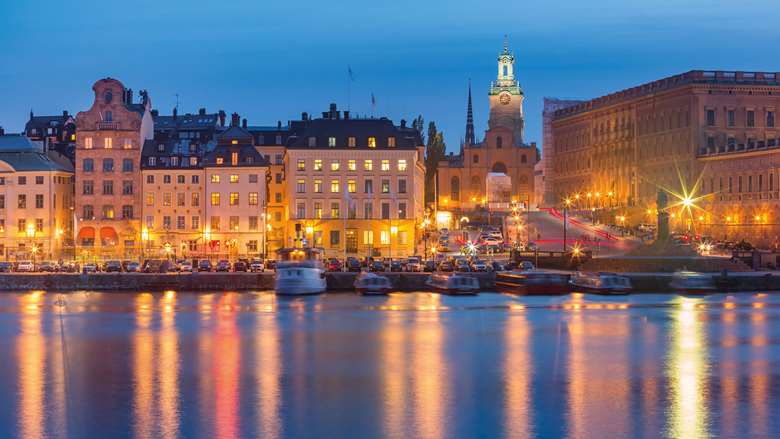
(469, 120)
(506, 97)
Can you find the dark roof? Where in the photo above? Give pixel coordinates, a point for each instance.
(41, 122)
(138, 108)
(235, 133)
(247, 156)
(187, 121)
(182, 149)
(361, 129)
(34, 161)
(19, 143)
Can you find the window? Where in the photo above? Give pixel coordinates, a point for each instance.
(475, 159)
(233, 178)
(385, 186)
(300, 185)
(166, 198)
(234, 198)
(750, 183)
(21, 201)
(402, 165)
(88, 212)
(368, 165)
(300, 209)
(88, 165)
(108, 165)
(455, 188)
(38, 179)
(195, 199)
(731, 185)
(127, 211)
(369, 186)
(167, 222)
(253, 198)
(21, 180)
(351, 186)
(770, 119)
(180, 222)
(317, 210)
(334, 186)
(278, 159)
(710, 116)
(195, 179)
(253, 178)
(385, 165)
(499, 142)
(335, 238)
(385, 210)
(332, 142)
(195, 222)
(215, 198)
(21, 225)
(180, 179)
(368, 237)
(180, 199)
(403, 237)
(127, 187)
(233, 158)
(39, 201)
(334, 165)
(351, 165)
(312, 141)
(401, 186)
(127, 165)
(334, 210)
(278, 140)
(87, 187)
(108, 212)
(252, 223)
(401, 210)
(152, 161)
(215, 178)
(2, 201)
(108, 187)
(317, 187)
(108, 143)
(384, 237)
(318, 165)
(750, 119)
(391, 142)
(39, 224)
(739, 184)
(301, 164)
(368, 210)
(351, 210)
(731, 118)
(150, 198)
(220, 160)
(372, 142)
(166, 179)
(88, 143)
(128, 144)
(214, 223)
(150, 179)
(278, 196)
(351, 142)
(234, 223)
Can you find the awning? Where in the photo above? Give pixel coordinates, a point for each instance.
(86, 233)
(108, 234)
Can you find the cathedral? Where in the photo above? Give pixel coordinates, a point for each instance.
(497, 172)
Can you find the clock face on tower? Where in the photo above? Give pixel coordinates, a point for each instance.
(504, 98)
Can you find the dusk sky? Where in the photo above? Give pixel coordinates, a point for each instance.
(270, 61)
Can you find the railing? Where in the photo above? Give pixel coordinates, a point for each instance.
(107, 125)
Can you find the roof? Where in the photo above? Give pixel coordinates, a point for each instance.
(138, 108)
(235, 133)
(187, 121)
(19, 143)
(182, 149)
(361, 129)
(46, 121)
(34, 161)
(247, 156)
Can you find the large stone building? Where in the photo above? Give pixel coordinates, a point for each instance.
(546, 163)
(716, 128)
(109, 138)
(465, 181)
(354, 186)
(36, 200)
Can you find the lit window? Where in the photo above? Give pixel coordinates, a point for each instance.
(234, 158)
(351, 186)
(108, 143)
(234, 221)
(234, 141)
(385, 165)
(150, 198)
(384, 237)
(301, 186)
(351, 142)
(167, 199)
(234, 178)
(331, 142)
(88, 143)
(301, 164)
(220, 160)
(318, 165)
(334, 186)
(318, 210)
(368, 165)
(334, 210)
(385, 186)
(334, 166)
(372, 142)
(234, 198)
(391, 142)
(215, 178)
(253, 198)
(368, 237)
(402, 165)
(318, 186)
(128, 144)
(215, 198)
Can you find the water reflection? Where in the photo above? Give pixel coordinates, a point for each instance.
(269, 372)
(429, 372)
(31, 354)
(759, 371)
(518, 369)
(227, 357)
(143, 368)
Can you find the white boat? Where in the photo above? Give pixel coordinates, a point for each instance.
(454, 284)
(299, 271)
(691, 282)
(600, 283)
(368, 283)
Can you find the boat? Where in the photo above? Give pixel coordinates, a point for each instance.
(368, 283)
(299, 271)
(453, 284)
(535, 283)
(600, 283)
(691, 282)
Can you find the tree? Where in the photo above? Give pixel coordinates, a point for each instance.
(418, 123)
(434, 152)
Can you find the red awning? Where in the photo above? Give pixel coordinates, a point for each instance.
(108, 234)
(86, 233)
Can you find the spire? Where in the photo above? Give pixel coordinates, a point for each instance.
(506, 44)
(469, 120)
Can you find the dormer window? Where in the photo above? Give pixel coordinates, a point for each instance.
(312, 141)
(332, 142)
(233, 158)
(372, 142)
(234, 142)
(193, 161)
(220, 160)
(161, 147)
(391, 142)
(351, 142)
(174, 161)
(152, 161)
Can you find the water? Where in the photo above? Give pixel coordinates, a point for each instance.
(405, 366)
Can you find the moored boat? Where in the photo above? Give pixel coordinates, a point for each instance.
(600, 283)
(368, 283)
(300, 272)
(540, 283)
(453, 284)
(691, 282)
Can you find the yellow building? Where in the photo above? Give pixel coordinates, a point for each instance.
(36, 200)
(354, 186)
(270, 142)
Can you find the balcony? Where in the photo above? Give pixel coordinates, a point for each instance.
(107, 126)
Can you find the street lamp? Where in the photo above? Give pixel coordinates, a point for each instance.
(31, 234)
(144, 241)
(206, 241)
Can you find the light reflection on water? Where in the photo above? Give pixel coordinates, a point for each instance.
(421, 365)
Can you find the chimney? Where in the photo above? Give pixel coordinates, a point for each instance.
(403, 123)
(325, 115)
(2, 131)
(235, 119)
(222, 118)
(304, 116)
(129, 96)
(346, 114)
(334, 114)
(243, 123)
(279, 124)
(65, 114)
(155, 113)
(201, 112)
(175, 113)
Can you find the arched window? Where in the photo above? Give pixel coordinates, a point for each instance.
(476, 159)
(499, 142)
(506, 70)
(455, 189)
(523, 159)
(499, 167)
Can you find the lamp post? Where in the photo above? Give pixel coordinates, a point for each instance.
(566, 204)
(144, 241)
(393, 231)
(30, 230)
(206, 242)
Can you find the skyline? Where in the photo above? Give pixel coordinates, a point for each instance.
(247, 60)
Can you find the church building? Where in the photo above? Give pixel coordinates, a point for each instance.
(497, 172)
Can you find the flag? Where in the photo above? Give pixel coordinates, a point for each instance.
(350, 73)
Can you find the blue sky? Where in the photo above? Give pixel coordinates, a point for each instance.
(269, 61)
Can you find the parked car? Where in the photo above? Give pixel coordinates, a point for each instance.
(126, 263)
(496, 266)
(239, 266)
(223, 266)
(113, 267)
(48, 267)
(6, 267)
(334, 264)
(185, 266)
(270, 264)
(414, 263)
(446, 266)
(204, 265)
(429, 266)
(526, 266)
(353, 264)
(152, 265)
(377, 266)
(479, 265)
(256, 266)
(25, 267)
(462, 265)
(90, 267)
(395, 265)
(69, 267)
(133, 267)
